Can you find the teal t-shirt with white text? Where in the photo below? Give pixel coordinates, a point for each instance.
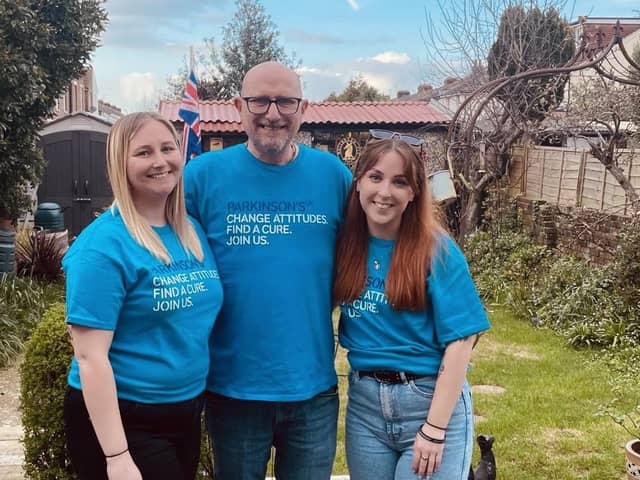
(379, 338)
(161, 315)
(273, 230)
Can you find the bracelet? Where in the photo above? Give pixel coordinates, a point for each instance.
(428, 438)
(435, 426)
(117, 454)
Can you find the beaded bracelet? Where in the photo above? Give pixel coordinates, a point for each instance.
(428, 438)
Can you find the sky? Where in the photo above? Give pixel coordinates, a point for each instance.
(147, 41)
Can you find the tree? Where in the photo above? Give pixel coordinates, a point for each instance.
(250, 38)
(512, 36)
(357, 90)
(44, 44)
(604, 114)
(529, 39)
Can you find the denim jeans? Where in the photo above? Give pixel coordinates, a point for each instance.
(164, 439)
(243, 431)
(382, 422)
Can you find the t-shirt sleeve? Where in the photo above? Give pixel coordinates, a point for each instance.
(457, 309)
(95, 290)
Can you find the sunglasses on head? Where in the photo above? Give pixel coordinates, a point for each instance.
(387, 134)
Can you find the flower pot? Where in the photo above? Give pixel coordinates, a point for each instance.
(632, 451)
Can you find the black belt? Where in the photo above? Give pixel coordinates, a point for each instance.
(389, 376)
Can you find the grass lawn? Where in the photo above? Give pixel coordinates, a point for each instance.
(545, 423)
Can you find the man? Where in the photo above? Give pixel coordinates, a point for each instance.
(271, 210)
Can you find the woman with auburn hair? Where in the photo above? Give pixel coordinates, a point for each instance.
(410, 315)
(142, 296)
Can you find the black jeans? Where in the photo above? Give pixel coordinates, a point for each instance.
(164, 439)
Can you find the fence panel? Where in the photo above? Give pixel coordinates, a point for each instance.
(573, 177)
(552, 174)
(534, 173)
(593, 182)
(517, 170)
(570, 178)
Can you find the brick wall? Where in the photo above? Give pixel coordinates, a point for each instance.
(589, 234)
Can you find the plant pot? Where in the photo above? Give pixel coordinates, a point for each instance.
(632, 450)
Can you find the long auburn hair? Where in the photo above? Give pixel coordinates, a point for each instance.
(118, 143)
(415, 245)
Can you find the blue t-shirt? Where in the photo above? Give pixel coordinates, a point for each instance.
(273, 230)
(161, 315)
(380, 338)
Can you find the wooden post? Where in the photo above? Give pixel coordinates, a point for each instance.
(604, 187)
(560, 181)
(631, 157)
(524, 180)
(580, 184)
(544, 151)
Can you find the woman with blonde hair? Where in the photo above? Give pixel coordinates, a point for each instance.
(410, 314)
(142, 296)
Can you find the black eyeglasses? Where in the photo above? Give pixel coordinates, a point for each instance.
(387, 134)
(261, 105)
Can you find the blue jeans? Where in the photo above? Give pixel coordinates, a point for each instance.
(382, 422)
(243, 431)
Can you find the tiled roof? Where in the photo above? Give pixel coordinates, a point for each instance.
(221, 116)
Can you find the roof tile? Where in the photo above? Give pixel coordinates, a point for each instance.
(221, 116)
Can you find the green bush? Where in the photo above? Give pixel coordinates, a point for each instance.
(22, 302)
(497, 261)
(591, 306)
(43, 381)
(626, 265)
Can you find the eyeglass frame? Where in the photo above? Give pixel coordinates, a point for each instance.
(273, 100)
(389, 134)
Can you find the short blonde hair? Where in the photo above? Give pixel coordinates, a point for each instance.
(118, 143)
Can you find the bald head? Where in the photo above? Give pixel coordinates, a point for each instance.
(271, 75)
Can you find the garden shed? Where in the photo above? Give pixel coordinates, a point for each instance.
(76, 172)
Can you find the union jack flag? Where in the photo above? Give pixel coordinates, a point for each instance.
(190, 114)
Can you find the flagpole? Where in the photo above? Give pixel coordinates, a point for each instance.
(189, 112)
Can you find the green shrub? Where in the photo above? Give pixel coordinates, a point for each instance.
(626, 265)
(22, 302)
(43, 381)
(504, 265)
(591, 306)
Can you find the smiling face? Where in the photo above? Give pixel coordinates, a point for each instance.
(154, 165)
(270, 134)
(384, 193)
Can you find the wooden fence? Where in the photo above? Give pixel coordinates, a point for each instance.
(571, 177)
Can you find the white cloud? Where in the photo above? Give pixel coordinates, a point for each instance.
(399, 58)
(317, 71)
(381, 82)
(353, 4)
(139, 90)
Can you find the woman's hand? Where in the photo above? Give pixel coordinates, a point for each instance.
(427, 455)
(122, 467)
